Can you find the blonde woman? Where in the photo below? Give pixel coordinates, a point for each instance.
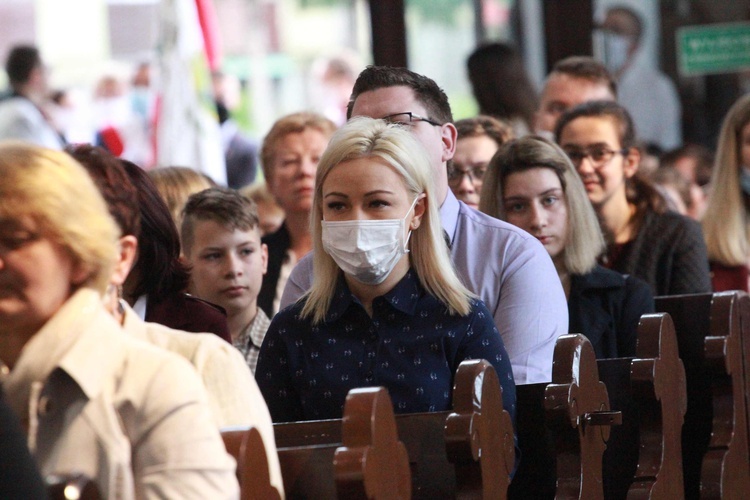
(386, 307)
(131, 416)
(532, 184)
(176, 184)
(725, 222)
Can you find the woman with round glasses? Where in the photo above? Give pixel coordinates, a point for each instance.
(532, 184)
(663, 248)
(478, 139)
(386, 307)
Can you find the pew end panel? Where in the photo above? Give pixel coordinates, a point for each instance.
(480, 431)
(247, 448)
(658, 383)
(714, 435)
(371, 462)
(577, 407)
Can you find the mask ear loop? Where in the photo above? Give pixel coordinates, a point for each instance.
(408, 236)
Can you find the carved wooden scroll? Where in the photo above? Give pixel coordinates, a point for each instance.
(714, 436)
(658, 383)
(744, 302)
(725, 465)
(577, 407)
(247, 448)
(479, 430)
(372, 462)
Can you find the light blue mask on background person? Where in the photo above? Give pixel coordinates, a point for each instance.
(367, 250)
(745, 180)
(612, 49)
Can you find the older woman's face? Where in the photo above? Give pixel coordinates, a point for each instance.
(296, 161)
(37, 276)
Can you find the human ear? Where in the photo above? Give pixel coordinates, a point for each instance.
(448, 136)
(264, 257)
(420, 207)
(125, 259)
(631, 162)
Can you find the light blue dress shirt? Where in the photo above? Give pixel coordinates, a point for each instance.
(509, 270)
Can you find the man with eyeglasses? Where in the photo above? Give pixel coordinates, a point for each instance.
(506, 267)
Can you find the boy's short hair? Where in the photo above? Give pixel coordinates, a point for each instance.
(225, 206)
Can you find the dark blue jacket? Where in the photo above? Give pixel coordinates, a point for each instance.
(606, 306)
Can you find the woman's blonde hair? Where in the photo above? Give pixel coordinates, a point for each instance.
(57, 193)
(725, 221)
(369, 138)
(585, 241)
(176, 184)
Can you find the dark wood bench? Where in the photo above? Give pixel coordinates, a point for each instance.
(246, 446)
(466, 453)
(367, 462)
(564, 426)
(643, 455)
(715, 432)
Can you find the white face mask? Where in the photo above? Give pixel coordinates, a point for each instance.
(367, 250)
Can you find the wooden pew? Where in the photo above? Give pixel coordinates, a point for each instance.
(577, 409)
(715, 432)
(744, 303)
(467, 453)
(642, 455)
(368, 462)
(246, 446)
(563, 427)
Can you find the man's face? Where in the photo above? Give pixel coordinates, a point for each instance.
(227, 265)
(562, 92)
(439, 141)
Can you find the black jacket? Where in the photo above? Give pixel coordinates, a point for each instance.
(606, 306)
(278, 243)
(669, 254)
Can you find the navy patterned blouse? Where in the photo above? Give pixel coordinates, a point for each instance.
(411, 345)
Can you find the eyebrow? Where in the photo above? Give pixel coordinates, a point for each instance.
(592, 145)
(221, 249)
(369, 193)
(523, 198)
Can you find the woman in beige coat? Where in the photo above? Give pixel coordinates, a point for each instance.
(132, 417)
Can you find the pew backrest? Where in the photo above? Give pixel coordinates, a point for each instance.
(714, 435)
(577, 408)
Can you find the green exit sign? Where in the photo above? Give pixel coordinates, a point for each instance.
(714, 48)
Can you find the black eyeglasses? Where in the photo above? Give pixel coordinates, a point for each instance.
(599, 155)
(408, 118)
(456, 175)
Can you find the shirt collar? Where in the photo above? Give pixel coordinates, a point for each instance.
(402, 297)
(258, 327)
(449, 215)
